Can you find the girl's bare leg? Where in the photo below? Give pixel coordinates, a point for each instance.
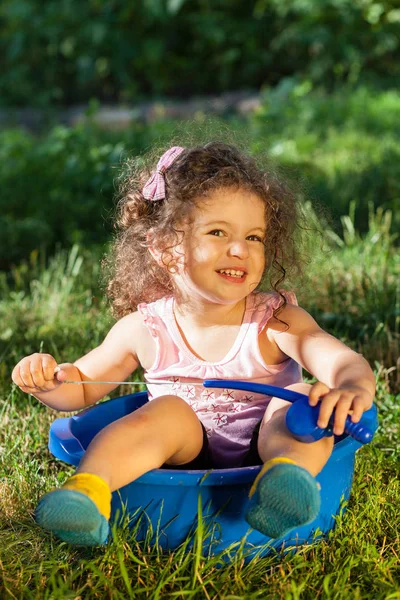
(165, 430)
(285, 494)
(275, 440)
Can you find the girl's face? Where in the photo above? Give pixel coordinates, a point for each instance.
(221, 258)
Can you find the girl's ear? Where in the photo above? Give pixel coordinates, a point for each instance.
(164, 258)
(168, 258)
(154, 250)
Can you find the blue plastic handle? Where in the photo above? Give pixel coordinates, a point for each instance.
(258, 388)
(301, 418)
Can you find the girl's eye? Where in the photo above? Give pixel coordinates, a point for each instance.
(220, 233)
(255, 238)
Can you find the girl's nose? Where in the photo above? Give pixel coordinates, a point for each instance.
(239, 248)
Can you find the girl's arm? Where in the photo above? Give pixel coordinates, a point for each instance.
(345, 379)
(114, 360)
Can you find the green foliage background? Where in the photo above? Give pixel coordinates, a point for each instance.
(58, 188)
(327, 72)
(63, 51)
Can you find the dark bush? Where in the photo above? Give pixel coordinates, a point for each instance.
(55, 190)
(67, 51)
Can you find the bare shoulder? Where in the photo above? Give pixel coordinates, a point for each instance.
(292, 320)
(117, 356)
(124, 327)
(132, 332)
(133, 320)
(136, 338)
(282, 331)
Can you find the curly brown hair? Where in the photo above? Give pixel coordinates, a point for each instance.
(197, 171)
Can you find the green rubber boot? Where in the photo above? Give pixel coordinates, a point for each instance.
(285, 496)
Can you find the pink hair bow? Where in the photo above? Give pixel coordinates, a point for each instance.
(154, 188)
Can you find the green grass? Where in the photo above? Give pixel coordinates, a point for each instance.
(353, 287)
(58, 307)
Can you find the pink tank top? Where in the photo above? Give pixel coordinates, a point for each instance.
(229, 416)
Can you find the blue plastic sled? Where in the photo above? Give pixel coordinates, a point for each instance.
(169, 499)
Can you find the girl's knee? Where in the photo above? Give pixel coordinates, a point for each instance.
(277, 408)
(172, 413)
(275, 411)
(172, 405)
(163, 413)
(301, 387)
(179, 427)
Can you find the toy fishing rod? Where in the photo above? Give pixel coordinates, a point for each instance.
(301, 418)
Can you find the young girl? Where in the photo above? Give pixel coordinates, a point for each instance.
(196, 240)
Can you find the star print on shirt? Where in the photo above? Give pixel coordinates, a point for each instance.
(228, 395)
(176, 383)
(188, 391)
(220, 420)
(208, 395)
(247, 398)
(208, 431)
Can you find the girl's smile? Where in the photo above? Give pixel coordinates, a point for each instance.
(233, 274)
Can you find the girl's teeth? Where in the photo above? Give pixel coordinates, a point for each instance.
(232, 273)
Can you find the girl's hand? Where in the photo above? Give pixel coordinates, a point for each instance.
(38, 373)
(342, 400)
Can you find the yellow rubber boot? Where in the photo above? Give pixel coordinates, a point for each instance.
(79, 511)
